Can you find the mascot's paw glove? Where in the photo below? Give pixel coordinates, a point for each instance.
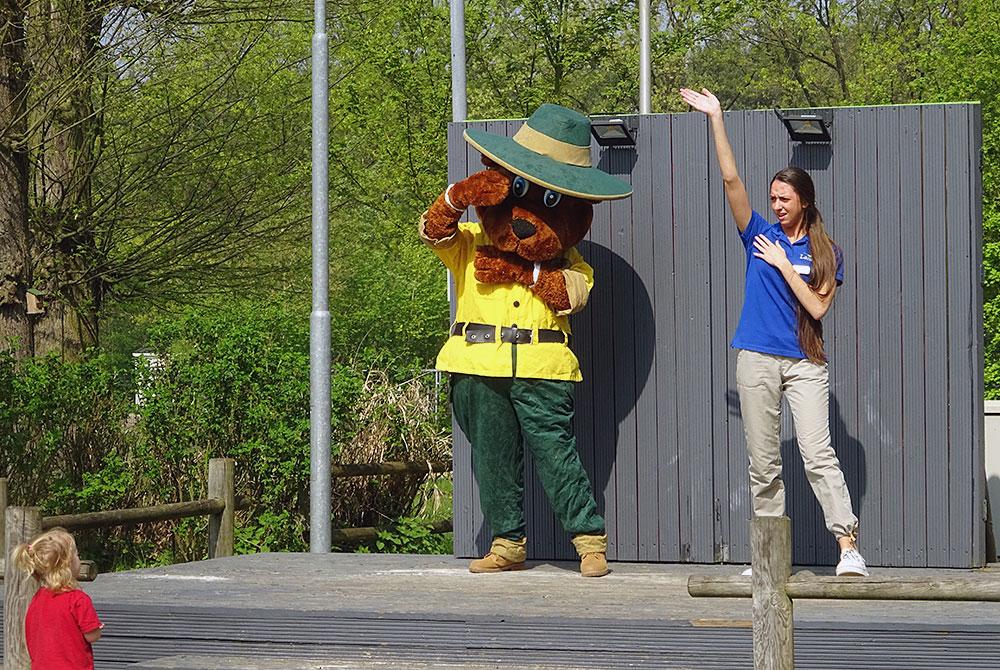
(486, 188)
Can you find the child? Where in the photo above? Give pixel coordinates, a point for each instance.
(61, 622)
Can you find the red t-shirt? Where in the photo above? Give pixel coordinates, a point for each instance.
(54, 628)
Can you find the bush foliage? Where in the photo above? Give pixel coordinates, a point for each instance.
(230, 383)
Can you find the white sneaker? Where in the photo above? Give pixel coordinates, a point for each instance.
(851, 564)
(747, 573)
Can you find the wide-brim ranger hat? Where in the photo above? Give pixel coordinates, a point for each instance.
(552, 149)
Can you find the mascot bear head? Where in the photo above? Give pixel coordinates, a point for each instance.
(550, 184)
(534, 201)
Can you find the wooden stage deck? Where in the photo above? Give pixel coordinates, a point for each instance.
(312, 612)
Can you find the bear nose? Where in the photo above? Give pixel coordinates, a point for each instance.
(522, 228)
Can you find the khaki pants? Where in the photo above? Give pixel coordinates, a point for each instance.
(761, 380)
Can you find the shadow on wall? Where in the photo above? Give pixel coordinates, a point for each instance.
(804, 509)
(615, 372)
(801, 505)
(811, 156)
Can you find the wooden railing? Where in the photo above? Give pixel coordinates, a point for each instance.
(23, 523)
(221, 504)
(773, 590)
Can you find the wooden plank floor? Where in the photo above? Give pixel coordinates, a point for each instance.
(272, 611)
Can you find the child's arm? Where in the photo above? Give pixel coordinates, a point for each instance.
(94, 635)
(89, 624)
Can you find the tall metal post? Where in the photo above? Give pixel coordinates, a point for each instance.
(458, 108)
(319, 319)
(459, 112)
(644, 78)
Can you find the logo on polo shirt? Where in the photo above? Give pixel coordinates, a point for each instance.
(802, 268)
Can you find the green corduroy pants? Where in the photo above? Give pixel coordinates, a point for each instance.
(501, 416)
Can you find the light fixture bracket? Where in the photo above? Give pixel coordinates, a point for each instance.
(613, 132)
(811, 127)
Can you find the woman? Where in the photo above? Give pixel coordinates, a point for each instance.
(793, 270)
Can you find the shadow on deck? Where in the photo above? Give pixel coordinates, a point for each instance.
(312, 612)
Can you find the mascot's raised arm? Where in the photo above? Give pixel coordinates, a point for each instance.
(518, 277)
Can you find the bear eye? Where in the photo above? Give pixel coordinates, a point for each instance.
(551, 198)
(519, 187)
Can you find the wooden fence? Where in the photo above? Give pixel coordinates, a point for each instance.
(23, 523)
(773, 590)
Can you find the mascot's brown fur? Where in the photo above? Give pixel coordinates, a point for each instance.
(523, 230)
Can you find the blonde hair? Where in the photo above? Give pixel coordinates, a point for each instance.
(49, 559)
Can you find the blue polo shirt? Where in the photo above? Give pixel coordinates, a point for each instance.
(769, 320)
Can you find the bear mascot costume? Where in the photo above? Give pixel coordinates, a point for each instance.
(518, 277)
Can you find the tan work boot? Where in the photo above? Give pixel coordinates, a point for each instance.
(493, 563)
(594, 564)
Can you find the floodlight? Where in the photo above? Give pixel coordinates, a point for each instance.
(806, 127)
(612, 133)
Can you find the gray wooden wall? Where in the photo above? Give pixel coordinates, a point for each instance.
(657, 417)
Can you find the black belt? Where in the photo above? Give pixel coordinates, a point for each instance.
(479, 333)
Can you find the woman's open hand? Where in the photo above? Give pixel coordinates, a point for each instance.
(704, 102)
(771, 252)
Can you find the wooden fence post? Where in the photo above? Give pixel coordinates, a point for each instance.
(221, 525)
(771, 555)
(21, 524)
(3, 515)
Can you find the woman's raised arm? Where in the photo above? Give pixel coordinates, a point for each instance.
(736, 192)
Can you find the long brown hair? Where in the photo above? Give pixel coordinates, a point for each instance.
(824, 254)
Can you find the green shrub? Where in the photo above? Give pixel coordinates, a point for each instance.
(412, 536)
(233, 383)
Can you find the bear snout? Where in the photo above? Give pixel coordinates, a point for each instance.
(523, 228)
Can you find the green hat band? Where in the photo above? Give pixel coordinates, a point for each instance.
(543, 144)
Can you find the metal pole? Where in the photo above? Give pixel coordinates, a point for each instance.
(458, 109)
(319, 320)
(644, 86)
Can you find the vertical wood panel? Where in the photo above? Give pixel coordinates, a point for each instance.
(483, 534)
(603, 376)
(463, 514)
(975, 273)
(584, 405)
(740, 505)
(843, 360)
(693, 332)
(645, 338)
(623, 327)
(869, 370)
(820, 163)
(961, 366)
(587, 402)
(935, 336)
(912, 325)
(664, 306)
(888, 334)
(720, 230)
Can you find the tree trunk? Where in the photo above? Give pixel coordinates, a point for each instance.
(64, 40)
(15, 238)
